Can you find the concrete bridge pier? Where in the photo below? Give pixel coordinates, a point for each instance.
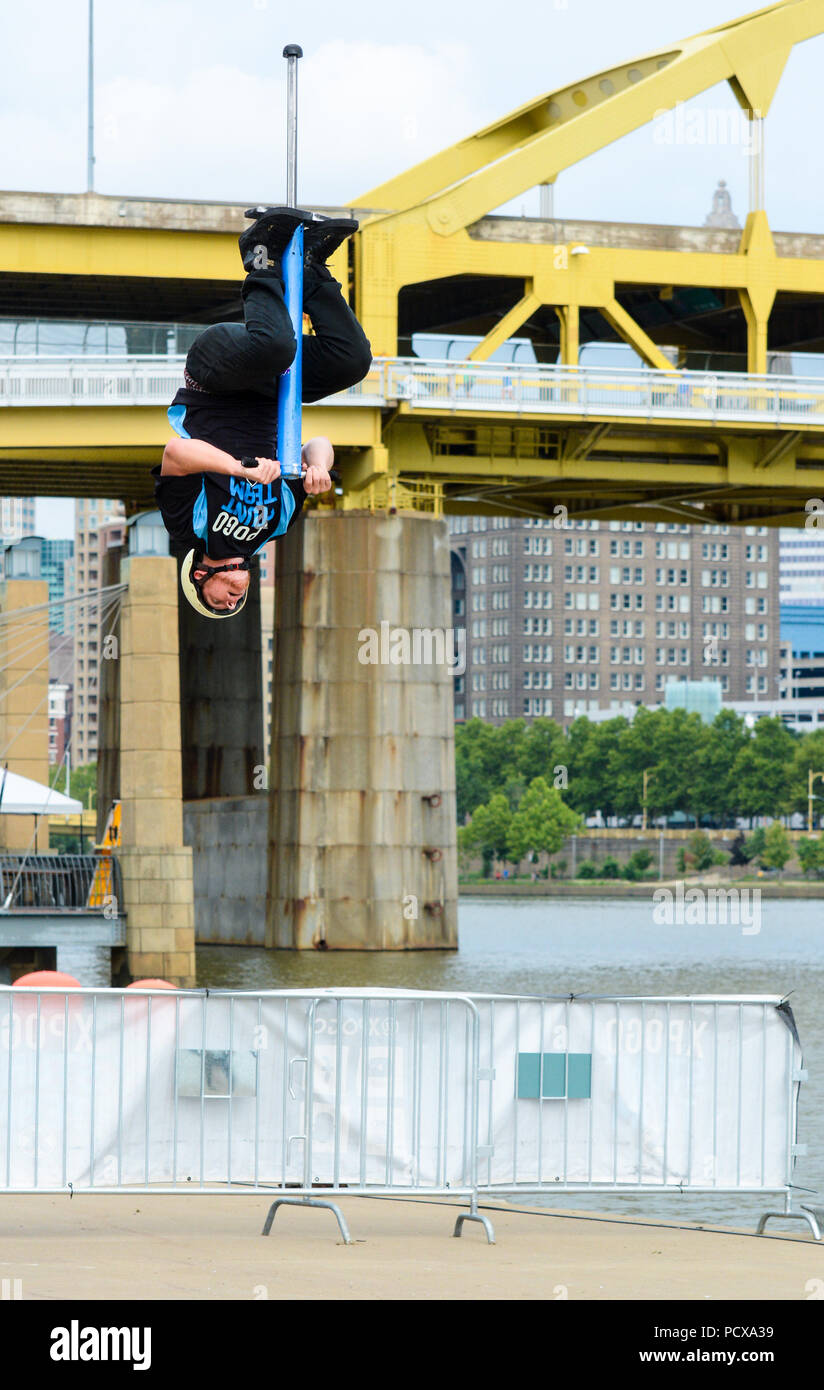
(156, 865)
(24, 688)
(362, 809)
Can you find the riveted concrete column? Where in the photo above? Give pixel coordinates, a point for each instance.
(156, 865)
(362, 825)
(24, 700)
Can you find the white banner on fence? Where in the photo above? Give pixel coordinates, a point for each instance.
(677, 1092)
(390, 1089)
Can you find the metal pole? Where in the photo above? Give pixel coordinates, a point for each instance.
(291, 53)
(90, 173)
(290, 387)
(756, 153)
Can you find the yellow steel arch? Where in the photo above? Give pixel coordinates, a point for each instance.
(534, 143)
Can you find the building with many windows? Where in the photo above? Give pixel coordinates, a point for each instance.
(99, 525)
(801, 561)
(55, 558)
(17, 519)
(563, 620)
(802, 652)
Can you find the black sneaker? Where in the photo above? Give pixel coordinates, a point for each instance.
(273, 228)
(322, 238)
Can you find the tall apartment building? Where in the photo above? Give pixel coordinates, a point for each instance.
(99, 523)
(563, 622)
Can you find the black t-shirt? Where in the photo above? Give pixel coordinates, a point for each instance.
(225, 515)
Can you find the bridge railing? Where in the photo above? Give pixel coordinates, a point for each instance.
(559, 390)
(113, 381)
(478, 387)
(60, 883)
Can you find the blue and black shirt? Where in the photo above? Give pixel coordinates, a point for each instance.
(224, 515)
(221, 514)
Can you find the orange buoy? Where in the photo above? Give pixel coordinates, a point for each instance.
(150, 984)
(47, 979)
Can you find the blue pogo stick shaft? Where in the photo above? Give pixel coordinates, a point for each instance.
(289, 386)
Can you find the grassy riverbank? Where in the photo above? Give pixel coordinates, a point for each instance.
(618, 888)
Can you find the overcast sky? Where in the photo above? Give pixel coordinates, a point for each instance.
(190, 100)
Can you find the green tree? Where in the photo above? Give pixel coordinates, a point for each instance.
(777, 848)
(669, 744)
(637, 865)
(762, 773)
(541, 822)
(700, 851)
(540, 749)
(488, 830)
(715, 790)
(809, 757)
(753, 846)
(586, 754)
(486, 761)
(82, 781)
(811, 856)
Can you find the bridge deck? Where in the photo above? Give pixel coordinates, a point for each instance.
(519, 437)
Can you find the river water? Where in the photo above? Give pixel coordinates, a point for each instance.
(595, 946)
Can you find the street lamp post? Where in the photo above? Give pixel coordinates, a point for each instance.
(645, 780)
(811, 776)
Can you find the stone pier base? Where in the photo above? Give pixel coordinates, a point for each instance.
(155, 864)
(362, 823)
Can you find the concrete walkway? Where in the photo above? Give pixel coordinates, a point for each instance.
(144, 1247)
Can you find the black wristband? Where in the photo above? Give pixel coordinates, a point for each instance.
(247, 462)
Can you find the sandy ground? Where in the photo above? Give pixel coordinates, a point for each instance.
(112, 1247)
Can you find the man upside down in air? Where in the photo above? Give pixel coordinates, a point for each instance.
(219, 487)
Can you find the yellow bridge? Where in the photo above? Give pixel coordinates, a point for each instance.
(653, 444)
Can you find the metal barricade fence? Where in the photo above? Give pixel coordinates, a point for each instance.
(397, 1093)
(623, 1094)
(369, 1091)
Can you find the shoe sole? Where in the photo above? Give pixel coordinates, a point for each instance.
(274, 229)
(320, 242)
(302, 213)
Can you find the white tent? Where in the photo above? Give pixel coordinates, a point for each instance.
(20, 796)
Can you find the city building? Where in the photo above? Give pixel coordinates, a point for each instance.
(99, 525)
(55, 557)
(16, 519)
(54, 562)
(801, 566)
(802, 652)
(59, 721)
(267, 566)
(563, 621)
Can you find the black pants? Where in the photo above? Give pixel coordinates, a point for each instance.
(250, 356)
